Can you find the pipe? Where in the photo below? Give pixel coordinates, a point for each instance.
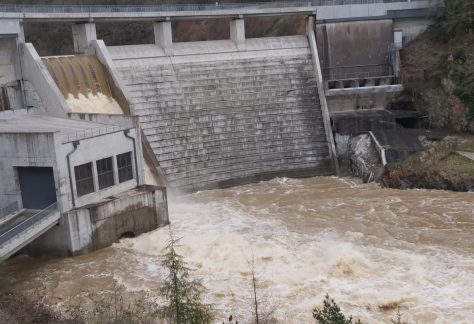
(75, 144)
(126, 132)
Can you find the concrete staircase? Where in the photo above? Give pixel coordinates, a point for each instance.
(219, 123)
(25, 227)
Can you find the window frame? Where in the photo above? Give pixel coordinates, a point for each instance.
(127, 168)
(79, 181)
(108, 174)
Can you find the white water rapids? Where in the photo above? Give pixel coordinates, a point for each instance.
(371, 249)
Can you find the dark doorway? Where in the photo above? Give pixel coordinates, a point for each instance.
(37, 187)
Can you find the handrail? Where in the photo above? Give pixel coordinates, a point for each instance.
(99, 131)
(22, 8)
(27, 223)
(8, 209)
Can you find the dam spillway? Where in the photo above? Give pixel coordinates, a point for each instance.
(84, 83)
(216, 116)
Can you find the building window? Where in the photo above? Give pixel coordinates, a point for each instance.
(124, 166)
(84, 179)
(105, 173)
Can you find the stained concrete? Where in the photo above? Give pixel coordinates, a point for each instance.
(217, 119)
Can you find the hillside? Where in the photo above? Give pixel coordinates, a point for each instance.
(438, 70)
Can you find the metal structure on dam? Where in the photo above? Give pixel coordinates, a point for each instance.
(192, 116)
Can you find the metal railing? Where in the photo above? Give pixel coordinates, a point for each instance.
(24, 8)
(94, 132)
(8, 209)
(26, 224)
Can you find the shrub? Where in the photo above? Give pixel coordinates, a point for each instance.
(330, 313)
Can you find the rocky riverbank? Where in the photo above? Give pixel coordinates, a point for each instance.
(443, 165)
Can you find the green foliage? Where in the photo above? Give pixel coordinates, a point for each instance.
(458, 18)
(461, 72)
(181, 291)
(331, 314)
(113, 309)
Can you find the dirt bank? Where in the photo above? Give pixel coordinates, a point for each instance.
(441, 166)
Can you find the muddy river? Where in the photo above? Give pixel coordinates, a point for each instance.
(373, 250)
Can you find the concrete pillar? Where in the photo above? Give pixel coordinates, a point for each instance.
(310, 24)
(237, 33)
(12, 27)
(83, 35)
(164, 36)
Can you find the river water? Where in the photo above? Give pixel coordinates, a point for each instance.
(371, 249)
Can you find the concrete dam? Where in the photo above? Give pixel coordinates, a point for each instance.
(108, 128)
(216, 116)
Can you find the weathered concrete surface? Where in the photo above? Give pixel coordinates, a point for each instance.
(30, 234)
(137, 211)
(310, 33)
(33, 149)
(43, 141)
(98, 225)
(363, 121)
(411, 27)
(359, 102)
(37, 74)
(354, 43)
(83, 35)
(215, 118)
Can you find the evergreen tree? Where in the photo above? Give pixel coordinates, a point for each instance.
(331, 314)
(181, 291)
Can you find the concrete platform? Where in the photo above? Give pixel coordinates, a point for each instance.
(469, 155)
(362, 121)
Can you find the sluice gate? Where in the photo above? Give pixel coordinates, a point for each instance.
(84, 82)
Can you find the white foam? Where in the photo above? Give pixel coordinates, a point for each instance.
(93, 104)
(379, 248)
(220, 235)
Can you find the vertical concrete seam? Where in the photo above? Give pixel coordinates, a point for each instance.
(322, 96)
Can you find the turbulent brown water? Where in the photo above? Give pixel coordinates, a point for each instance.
(369, 248)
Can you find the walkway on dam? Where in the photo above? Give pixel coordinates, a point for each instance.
(326, 10)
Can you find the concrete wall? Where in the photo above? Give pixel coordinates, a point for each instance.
(91, 150)
(8, 50)
(411, 27)
(99, 225)
(216, 116)
(354, 43)
(23, 150)
(11, 34)
(359, 102)
(37, 74)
